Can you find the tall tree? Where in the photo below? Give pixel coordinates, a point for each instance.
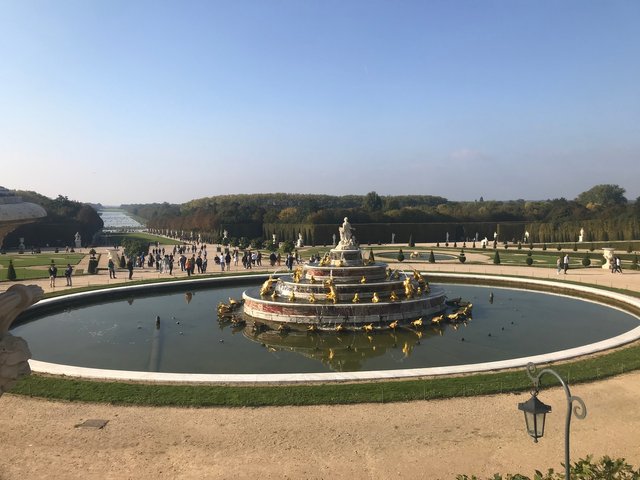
(603, 195)
(372, 202)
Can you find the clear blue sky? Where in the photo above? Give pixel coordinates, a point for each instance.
(151, 101)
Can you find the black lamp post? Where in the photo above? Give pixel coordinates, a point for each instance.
(535, 411)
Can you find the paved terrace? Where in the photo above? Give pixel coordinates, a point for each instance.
(629, 280)
(421, 439)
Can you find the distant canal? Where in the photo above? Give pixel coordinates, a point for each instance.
(117, 219)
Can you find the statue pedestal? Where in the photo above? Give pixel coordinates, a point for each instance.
(607, 253)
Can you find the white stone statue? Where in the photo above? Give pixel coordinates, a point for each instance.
(225, 234)
(346, 233)
(21, 246)
(273, 238)
(608, 255)
(526, 236)
(447, 237)
(14, 351)
(581, 236)
(393, 238)
(78, 240)
(299, 242)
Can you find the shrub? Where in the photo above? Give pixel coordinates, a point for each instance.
(519, 245)
(411, 242)
(629, 248)
(462, 258)
(92, 268)
(634, 263)
(432, 258)
(529, 261)
(544, 246)
(400, 256)
(438, 245)
(371, 257)
(11, 272)
(474, 244)
(455, 244)
(530, 245)
(592, 248)
(506, 245)
(583, 469)
(496, 258)
(575, 247)
(586, 261)
(559, 247)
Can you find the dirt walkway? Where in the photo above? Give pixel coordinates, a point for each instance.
(422, 439)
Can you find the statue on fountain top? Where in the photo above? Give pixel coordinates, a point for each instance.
(346, 234)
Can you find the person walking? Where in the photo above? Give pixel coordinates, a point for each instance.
(112, 268)
(130, 268)
(559, 265)
(227, 259)
(566, 263)
(67, 274)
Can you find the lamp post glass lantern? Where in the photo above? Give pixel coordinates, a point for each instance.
(535, 412)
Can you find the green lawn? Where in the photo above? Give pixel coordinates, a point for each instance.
(30, 266)
(116, 238)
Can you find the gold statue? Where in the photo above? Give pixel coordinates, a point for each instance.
(292, 296)
(408, 288)
(274, 295)
(312, 298)
(312, 279)
(393, 297)
(363, 280)
(267, 286)
(375, 298)
(332, 295)
(356, 298)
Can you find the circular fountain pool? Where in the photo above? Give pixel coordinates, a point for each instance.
(119, 332)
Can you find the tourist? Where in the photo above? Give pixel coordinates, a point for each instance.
(67, 274)
(112, 268)
(199, 263)
(566, 263)
(171, 264)
(53, 273)
(227, 259)
(130, 268)
(187, 266)
(222, 261)
(617, 265)
(558, 265)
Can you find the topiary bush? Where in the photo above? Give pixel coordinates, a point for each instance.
(629, 248)
(400, 256)
(586, 261)
(529, 261)
(462, 257)
(411, 242)
(496, 258)
(634, 263)
(432, 257)
(559, 247)
(11, 272)
(544, 246)
(575, 247)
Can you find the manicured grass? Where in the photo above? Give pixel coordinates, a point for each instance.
(30, 266)
(590, 369)
(116, 238)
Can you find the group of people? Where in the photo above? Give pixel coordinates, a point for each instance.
(616, 265)
(53, 274)
(562, 264)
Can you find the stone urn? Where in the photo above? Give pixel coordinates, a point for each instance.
(607, 253)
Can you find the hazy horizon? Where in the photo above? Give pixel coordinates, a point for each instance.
(139, 102)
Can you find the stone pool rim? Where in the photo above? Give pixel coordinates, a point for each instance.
(612, 299)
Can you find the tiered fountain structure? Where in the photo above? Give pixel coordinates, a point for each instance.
(344, 291)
